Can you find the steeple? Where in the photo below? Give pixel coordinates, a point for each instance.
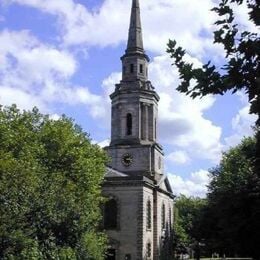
(135, 39)
(135, 110)
(135, 61)
(135, 177)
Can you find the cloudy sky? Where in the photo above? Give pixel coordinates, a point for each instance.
(63, 56)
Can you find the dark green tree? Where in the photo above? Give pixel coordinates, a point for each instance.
(180, 238)
(242, 68)
(187, 216)
(50, 193)
(230, 222)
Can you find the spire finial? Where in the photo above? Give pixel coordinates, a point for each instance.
(135, 39)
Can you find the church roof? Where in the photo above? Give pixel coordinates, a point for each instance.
(113, 173)
(164, 184)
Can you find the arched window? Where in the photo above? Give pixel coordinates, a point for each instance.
(110, 214)
(170, 217)
(159, 163)
(148, 250)
(129, 124)
(149, 215)
(141, 68)
(131, 68)
(163, 217)
(155, 129)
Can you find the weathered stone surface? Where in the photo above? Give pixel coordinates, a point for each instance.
(136, 171)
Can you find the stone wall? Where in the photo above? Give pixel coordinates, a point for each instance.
(132, 235)
(141, 158)
(147, 233)
(142, 105)
(163, 236)
(128, 235)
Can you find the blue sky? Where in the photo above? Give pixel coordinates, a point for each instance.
(63, 56)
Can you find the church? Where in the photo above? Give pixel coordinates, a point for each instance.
(138, 214)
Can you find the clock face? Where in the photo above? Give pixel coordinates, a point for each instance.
(127, 159)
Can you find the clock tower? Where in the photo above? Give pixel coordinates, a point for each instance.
(134, 148)
(138, 215)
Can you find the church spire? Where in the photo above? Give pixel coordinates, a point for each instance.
(135, 39)
(135, 61)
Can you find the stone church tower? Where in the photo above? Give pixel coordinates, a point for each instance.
(138, 215)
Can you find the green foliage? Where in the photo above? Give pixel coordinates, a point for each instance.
(180, 238)
(187, 216)
(50, 177)
(242, 68)
(230, 221)
(227, 221)
(93, 242)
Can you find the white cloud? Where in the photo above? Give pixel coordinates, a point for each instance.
(194, 185)
(242, 122)
(108, 86)
(55, 117)
(242, 18)
(31, 61)
(161, 19)
(35, 74)
(108, 83)
(79, 25)
(81, 95)
(21, 98)
(178, 157)
(242, 125)
(182, 121)
(104, 143)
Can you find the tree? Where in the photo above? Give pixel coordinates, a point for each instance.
(180, 238)
(242, 68)
(50, 195)
(227, 221)
(187, 216)
(230, 221)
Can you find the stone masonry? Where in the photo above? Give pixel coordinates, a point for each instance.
(135, 177)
